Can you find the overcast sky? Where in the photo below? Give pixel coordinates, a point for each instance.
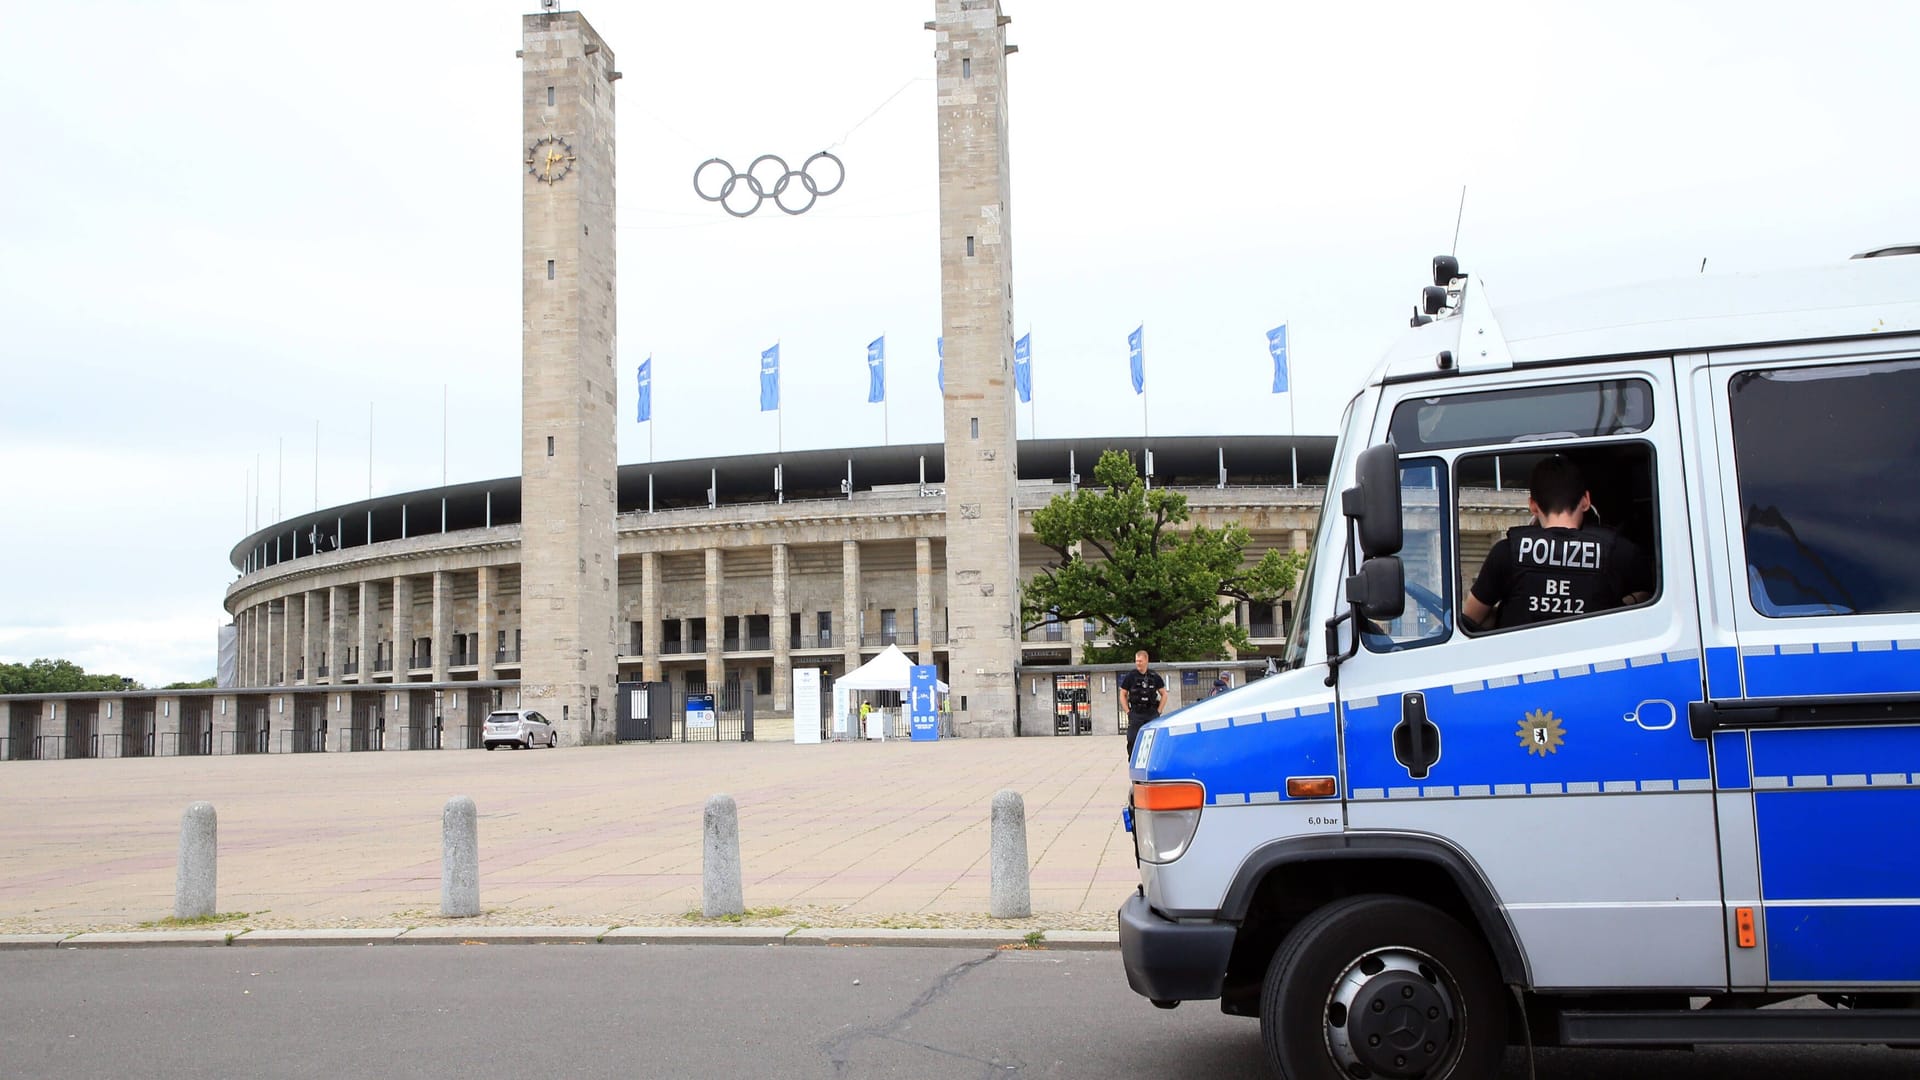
(226, 223)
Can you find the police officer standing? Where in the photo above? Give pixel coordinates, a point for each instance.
(1143, 694)
(1558, 566)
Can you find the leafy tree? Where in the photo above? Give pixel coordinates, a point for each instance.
(207, 683)
(1124, 562)
(56, 677)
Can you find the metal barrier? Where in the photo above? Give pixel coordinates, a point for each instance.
(729, 725)
(310, 741)
(249, 742)
(49, 747)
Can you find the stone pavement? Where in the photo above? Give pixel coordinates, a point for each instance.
(837, 835)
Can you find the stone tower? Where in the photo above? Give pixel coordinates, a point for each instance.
(567, 400)
(976, 316)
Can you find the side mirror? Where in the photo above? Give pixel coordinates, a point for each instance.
(1374, 501)
(1380, 588)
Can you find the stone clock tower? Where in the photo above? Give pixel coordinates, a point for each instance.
(569, 574)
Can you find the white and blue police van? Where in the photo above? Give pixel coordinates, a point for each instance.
(1421, 842)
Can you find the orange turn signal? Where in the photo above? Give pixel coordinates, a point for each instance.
(1743, 926)
(1174, 795)
(1312, 787)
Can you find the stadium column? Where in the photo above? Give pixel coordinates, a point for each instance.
(923, 600)
(850, 603)
(976, 316)
(402, 628)
(307, 662)
(568, 568)
(488, 581)
(273, 667)
(780, 631)
(294, 609)
(337, 634)
(650, 617)
(716, 662)
(369, 607)
(441, 636)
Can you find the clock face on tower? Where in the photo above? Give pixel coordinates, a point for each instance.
(549, 159)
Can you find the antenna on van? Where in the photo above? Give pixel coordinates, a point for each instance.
(1455, 250)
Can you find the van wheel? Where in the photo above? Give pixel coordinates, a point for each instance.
(1382, 986)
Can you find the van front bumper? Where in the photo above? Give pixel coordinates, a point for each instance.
(1170, 961)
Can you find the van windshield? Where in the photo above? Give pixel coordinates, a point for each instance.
(1326, 534)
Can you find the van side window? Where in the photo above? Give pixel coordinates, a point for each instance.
(1568, 411)
(1824, 460)
(1519, 570)
(1425, 556)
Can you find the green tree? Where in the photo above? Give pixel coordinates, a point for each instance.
(207, 683)
(56, 677)
(1124, 562)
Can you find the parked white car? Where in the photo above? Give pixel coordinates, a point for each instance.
(522, 728)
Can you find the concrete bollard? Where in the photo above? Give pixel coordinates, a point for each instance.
(194, 883)
(720, 882)
(459, 858)
(1011, 895)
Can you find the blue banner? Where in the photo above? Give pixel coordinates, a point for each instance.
(1277, 345)
(1023, 367)
(1137, 357)
(923, 711)
(770, 379)
(940, 350)
(877, 369)
(645, 376)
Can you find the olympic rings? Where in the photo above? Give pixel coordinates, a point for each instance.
(762, 184)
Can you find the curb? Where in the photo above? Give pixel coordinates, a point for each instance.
(1052, 940)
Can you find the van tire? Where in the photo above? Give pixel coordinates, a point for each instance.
(1425, 979)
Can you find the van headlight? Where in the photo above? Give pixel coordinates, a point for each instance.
(1165, 816)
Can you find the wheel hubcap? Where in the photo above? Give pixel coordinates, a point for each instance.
(1393, 1013)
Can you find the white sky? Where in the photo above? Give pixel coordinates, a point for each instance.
(222, 223)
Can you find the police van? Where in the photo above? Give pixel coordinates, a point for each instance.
(1631, 823)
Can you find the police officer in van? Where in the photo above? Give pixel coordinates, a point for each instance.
(1143, 694)
(1558, 566)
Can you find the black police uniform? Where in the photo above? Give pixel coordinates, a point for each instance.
(1536, 573)
(1143, 701)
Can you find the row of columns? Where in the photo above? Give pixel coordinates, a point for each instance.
(778, 618)
(281, 642)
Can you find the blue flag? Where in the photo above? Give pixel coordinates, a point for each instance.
(940, 350)
(645, 375)
(1137, 357)
(877, 369)
(1023, 367)
(1277, 345)
(770, 379)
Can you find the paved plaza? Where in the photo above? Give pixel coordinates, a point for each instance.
(840, 834)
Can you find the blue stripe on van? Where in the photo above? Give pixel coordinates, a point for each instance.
(1730, 759)
(1862, 667)
(1827, 844)
(1723, 672)
(1623, 726)
(1826, 945)
(1843, 756)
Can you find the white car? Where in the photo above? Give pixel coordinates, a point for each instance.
(523, 728)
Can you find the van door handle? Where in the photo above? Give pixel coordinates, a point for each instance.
(1416, 741)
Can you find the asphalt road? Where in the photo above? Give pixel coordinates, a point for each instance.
(789, 1012)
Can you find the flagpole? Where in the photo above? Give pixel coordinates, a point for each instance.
(779, 409)
(1293, 430)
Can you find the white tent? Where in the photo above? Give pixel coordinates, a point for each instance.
(891, 670)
